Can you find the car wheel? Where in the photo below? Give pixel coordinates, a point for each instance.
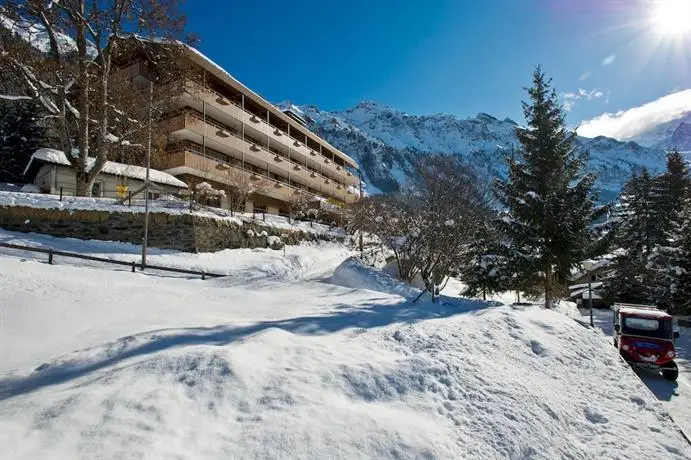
(671, 373)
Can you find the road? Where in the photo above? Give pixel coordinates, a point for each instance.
(675, 396)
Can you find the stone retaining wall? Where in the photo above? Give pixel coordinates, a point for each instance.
(184, 232)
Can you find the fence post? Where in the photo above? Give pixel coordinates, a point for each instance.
(50, 256)
(203, 276)
(60, 193)
(134, 266)
(264, 216)
(129, 199)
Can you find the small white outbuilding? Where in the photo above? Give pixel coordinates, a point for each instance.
(51, 171)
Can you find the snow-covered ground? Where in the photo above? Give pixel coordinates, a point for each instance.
(304, 356)
(675, 396)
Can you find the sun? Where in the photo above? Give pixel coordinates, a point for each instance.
(672, 18)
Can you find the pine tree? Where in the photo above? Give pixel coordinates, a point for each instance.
(486, 272)
(635, 240)
(548, 198)
(667, 257)
(682, 295)
(20, 136)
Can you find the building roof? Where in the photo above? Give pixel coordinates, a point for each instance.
(58, 157)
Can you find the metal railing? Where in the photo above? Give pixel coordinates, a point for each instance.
(261, 118)
(133, 265)
(266, 148)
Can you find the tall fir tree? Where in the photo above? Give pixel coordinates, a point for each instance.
(20, 136)
(668, 256)
(635, 238)
(682, 297)
(548, 198)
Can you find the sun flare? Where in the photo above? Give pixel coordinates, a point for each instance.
(672, 17)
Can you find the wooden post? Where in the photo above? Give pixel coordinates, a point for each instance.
(203, 276)
(134, 266)
(50, 256)
(60, 193)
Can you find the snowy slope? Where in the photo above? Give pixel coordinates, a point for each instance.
(112, 364)
(671, 134)
(385, 141)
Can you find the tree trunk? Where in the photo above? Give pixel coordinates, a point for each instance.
(84, 184)
(548, 287)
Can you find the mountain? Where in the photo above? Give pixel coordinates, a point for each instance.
(671, 134)
(386, 142)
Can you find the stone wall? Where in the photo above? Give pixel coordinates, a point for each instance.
(184, 232)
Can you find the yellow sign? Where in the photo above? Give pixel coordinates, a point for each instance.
(122, 190)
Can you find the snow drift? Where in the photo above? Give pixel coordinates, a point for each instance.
(171, 368)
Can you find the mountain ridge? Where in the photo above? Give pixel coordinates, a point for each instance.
(386, 142)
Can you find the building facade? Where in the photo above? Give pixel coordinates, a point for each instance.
(223, 133)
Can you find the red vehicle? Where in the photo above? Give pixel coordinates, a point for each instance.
(645, 338)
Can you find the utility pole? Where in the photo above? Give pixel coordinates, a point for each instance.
(146, 182)
(590, 297)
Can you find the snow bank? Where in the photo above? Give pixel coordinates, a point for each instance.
(352, 274)
(298, 368)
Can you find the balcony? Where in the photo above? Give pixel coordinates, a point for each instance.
(224, 139)
(219, 171)
(259, 127)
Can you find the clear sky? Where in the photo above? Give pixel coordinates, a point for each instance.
(451, 56)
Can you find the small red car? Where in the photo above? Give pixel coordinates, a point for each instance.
(645, 338)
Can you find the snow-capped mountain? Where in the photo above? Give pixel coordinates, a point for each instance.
(672, 134)
(386, 142)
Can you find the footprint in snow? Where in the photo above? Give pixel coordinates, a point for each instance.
(538, 348)
(594, 416)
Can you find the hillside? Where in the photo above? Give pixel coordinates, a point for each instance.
(386, 141)
(280, 360)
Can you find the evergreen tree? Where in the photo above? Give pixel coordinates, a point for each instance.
(548, 198)
(668, 257)
(20, 136)
(486, 271)
(634, 219)
(682, 295)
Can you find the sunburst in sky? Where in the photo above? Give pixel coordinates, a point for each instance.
(672, 19)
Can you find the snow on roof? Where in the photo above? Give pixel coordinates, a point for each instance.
(117, 169)
(654, 313)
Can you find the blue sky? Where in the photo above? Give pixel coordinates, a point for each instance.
(451, 56)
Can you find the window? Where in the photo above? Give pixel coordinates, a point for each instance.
(644, 324)
(96, 189)
(660, 328)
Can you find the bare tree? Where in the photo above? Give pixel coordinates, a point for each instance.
(455, 204)
(241, 186)
(300, 205)
(430, 228)
(93, 108)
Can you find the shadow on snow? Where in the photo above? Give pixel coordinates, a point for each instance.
(345, 316)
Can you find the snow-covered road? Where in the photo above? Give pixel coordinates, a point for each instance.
(675, 396)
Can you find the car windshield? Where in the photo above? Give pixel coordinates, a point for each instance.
(647, 327)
